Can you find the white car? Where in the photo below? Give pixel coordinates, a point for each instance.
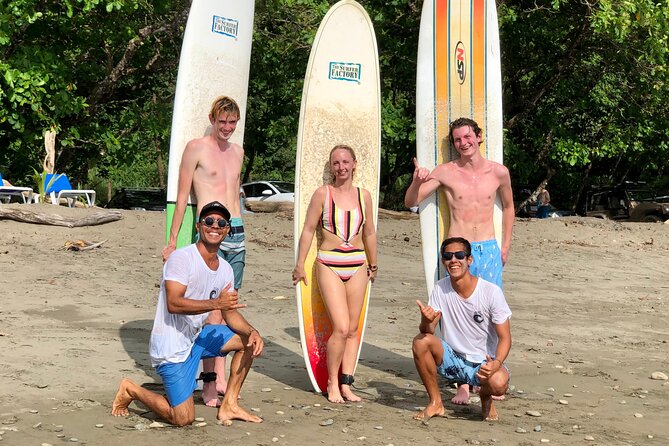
(269, 191)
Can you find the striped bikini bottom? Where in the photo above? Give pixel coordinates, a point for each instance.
(343, 261)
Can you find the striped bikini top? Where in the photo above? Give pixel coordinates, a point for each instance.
(343, 224)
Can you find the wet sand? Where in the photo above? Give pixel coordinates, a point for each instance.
(590, 310)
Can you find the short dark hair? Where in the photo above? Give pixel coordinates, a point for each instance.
(463, 241)
(463, 122)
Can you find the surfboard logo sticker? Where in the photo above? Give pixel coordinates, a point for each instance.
(460, 62)
(225, 26)
(344, 71)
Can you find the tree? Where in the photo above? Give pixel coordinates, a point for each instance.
(98, 72)
(583, 83)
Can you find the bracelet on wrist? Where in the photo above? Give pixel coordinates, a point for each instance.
(373, 268)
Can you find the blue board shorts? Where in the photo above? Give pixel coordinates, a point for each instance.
(455, 368)
(487, 262)
(233, 250)
(179, 378)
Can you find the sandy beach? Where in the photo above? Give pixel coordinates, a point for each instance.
(590, 302)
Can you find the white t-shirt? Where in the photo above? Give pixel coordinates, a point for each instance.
(173, 335)
(468, 325)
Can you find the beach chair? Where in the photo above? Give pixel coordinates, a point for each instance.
(57, 186)
(6, 193)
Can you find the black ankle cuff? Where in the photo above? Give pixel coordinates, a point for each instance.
(346, 380)
(207, 377)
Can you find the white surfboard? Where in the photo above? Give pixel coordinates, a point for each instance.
(458, 75)
(341, 104)
(215, 60)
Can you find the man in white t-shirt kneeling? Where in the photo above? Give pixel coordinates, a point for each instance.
(196, 281)
(475, 334)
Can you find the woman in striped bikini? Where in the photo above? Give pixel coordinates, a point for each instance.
(346, 261)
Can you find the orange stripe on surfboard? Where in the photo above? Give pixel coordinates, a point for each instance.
(478, 66)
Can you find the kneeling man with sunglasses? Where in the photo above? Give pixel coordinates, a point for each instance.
(196, 281)
(475, 335)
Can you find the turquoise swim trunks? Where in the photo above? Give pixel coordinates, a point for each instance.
(179, 378)
(487, 262)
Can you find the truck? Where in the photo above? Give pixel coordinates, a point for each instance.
(628, 201)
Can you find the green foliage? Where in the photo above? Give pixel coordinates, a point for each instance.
(584, 89)
(56, 70)
(584, 85)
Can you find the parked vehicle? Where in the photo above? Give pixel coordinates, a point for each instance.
(269, 191)
(139, 198)
(627, 201)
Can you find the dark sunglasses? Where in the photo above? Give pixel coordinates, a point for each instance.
(460, 255)
(209, 221)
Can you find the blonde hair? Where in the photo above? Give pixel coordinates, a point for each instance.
(342, 147)
(224, 104)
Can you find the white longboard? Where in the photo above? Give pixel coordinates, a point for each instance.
(341, 104)
(215, 60)
(458, 75)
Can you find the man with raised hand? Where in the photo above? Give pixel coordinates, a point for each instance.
(475, 334)
(471, 184)
(196, 281)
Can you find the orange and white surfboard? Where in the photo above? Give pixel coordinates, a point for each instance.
(458, 75)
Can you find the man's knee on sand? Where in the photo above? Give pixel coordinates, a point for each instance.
(183, 414)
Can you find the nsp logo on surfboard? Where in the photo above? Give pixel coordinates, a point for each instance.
(225, 26)
(343, 71)
(460, 62)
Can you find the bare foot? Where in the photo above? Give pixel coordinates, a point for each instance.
(334, 396)
(210, 394)
(122, 400)
(461, 398)
(227, 413)
(348, 395)
(476, 389)
(488, 410)
(432, 410)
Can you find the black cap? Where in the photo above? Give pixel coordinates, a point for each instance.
(217, 207)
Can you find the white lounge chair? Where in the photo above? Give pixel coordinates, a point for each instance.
(6, 192)
(57, 186)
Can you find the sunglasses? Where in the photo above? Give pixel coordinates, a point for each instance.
(209, 221)
(460, 255)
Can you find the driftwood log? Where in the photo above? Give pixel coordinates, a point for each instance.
(397, 215)
(269, 206)
(26, 216)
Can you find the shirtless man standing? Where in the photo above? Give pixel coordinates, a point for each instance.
(471, 184)
(212, 166)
